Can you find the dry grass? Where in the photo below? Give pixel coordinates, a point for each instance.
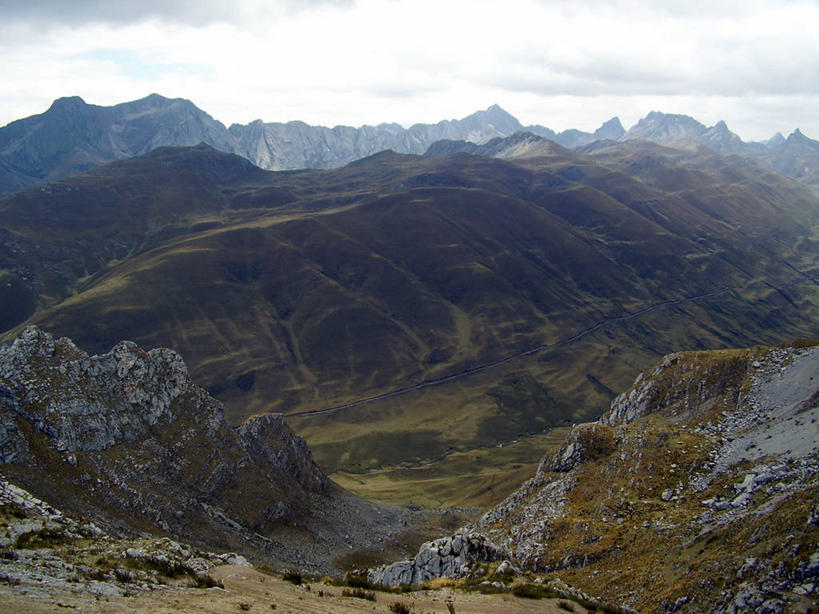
(251, 591)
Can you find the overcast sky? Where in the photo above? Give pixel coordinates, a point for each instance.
(561, 64)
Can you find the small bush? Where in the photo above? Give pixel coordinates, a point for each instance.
(207, 581)
(357, 580)
(565, 605)
(44, 538)
(399, 608)
(13, 510)
(293, 576)
(165, 567)
(528, 591)
(359, 593)
(491, 589)
(244, 607)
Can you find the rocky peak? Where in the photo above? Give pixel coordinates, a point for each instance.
(719, 138)
(612, 129)
(128, 430)
(88, 403)
(665, 127)
(67, 105)
(797, 137)
(775, 141)
(483, 125)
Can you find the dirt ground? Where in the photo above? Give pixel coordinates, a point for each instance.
(247, 590)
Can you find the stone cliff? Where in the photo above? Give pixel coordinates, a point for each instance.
(128, 439)
(697, 491)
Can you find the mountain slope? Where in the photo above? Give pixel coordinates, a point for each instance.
(306, 290)
(695, 492)
(127, 439)
(72, 136)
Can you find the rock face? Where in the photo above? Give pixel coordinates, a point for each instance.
(697, 490)
(128, 430)
(666, 127)
(73, 136)
(101, 400)
(448, 557)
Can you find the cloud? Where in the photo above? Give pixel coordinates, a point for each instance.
(367, 61)
(196, 13)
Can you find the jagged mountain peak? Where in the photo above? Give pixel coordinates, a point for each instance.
(665, 127)
(72, 136)
(776, 140)
(69, 103)
(797, 137)
(496, 111)
(611, 129)
(493, 118)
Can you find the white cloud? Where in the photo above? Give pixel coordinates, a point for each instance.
(752, 63)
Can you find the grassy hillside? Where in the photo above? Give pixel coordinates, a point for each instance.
(307, 290)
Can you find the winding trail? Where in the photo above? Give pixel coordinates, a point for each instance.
(545, 346)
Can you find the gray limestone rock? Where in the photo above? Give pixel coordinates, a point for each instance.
(141, 437)
(448, 557)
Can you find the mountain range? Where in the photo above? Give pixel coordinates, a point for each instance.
(72, 136)
(431, 324)
(302, 291)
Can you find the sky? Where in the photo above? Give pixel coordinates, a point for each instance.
(561, 64)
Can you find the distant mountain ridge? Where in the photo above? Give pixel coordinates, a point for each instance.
(73, 136)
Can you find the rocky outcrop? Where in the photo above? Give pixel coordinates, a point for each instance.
(709, 450)
(696, 491)
(683, 382)
(448, 557)
(47, 553)
(268, 440)
(89, 403)
(128, 430)
(584, 442)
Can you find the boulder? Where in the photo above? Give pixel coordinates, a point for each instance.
(447, 557)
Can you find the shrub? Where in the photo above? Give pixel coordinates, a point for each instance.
(399, 608)
(207, 581)
(357, 580)
(44, 538)
(293, 576)
(359, 593)
(565, 605)
(528, 591)
(13, 510)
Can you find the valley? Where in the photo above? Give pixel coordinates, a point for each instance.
(470, 301)
(323, 369)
